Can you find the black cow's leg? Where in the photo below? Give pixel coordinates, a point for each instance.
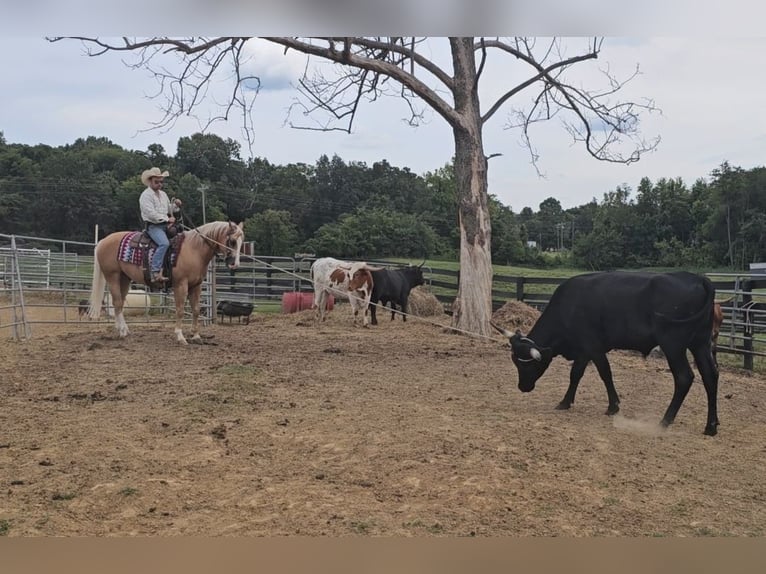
(708, 369)
(373, 311)
(683, 376)
(605, 372)
(404, 309)
(578, 368)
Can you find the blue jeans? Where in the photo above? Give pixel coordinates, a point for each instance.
(157, 232)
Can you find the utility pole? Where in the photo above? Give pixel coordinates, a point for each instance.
(203, 189)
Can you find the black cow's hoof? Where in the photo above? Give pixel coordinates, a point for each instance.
(711, 430)
(612, 410)
(563, 406)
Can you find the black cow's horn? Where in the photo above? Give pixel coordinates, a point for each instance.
(503, 331)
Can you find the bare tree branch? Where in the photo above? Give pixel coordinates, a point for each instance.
(201, 60)
(382, 59)
(601, 125)
(541, 73)
(368, 68)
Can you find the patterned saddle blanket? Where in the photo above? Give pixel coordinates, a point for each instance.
(138, 248)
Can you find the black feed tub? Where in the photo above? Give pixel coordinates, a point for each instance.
(235, 309)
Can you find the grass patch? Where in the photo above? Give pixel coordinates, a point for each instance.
(5, 526)
(128, 491)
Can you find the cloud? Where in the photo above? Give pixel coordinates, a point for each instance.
(710, 97)
(276, 69)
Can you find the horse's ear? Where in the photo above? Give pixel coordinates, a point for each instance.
(240, 224)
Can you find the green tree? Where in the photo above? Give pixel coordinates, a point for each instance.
(608, 245)
(272, 233)
(374, 233)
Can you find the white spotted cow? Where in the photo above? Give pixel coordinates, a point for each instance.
(344, 280)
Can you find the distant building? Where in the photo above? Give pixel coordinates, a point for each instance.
(532, 244)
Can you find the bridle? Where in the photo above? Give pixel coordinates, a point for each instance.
(226, 248)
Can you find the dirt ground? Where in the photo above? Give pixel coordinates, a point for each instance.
(279, 428)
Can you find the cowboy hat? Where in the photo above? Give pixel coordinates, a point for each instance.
(153, 172)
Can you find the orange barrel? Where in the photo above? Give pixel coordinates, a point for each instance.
(290, 302)
(293, 301)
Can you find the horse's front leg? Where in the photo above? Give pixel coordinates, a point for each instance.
(194, 297)
(179, 294)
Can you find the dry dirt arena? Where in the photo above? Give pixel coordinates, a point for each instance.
(279, 428)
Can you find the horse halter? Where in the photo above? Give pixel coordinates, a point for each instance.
(231, 243)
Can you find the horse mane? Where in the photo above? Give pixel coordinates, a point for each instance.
(215, 230)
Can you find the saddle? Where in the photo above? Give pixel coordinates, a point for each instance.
(138, 248)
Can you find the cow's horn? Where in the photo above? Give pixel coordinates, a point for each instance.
(535, 354)
(503, 331)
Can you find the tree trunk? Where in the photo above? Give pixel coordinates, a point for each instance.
(473, 308)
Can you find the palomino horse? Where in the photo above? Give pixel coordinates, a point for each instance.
(199, 247)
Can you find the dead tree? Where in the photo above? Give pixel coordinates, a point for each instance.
(369, 68)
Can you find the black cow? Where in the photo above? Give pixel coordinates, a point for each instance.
(394, 286)
(589, 315)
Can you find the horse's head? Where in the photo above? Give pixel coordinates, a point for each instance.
(235, 237)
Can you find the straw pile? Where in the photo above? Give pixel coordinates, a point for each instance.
(516, 315)
(423, 303)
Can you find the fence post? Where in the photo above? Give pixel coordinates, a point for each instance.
(747, 342)
(519, 288)
(269, 282)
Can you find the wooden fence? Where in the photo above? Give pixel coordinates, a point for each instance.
(743, 332)
(65, 267)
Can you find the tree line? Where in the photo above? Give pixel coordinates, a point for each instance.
(350, 209)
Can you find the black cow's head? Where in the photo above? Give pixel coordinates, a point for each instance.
(414, 275)
(531, 360)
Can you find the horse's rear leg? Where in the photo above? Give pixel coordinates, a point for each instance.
(179, 294)
(119, 285)
(194, 297)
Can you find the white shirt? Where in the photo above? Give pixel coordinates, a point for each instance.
(155, 206)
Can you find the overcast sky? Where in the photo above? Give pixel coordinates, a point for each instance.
(711, 93)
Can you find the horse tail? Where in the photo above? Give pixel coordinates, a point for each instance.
(97, 289)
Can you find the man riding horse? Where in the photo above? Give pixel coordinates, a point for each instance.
(157, 214)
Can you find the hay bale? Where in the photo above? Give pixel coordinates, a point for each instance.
(423, 303)
(516, 315)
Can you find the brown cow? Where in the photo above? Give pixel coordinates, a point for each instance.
(344, 280)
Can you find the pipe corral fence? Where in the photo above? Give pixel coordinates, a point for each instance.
(61, 273)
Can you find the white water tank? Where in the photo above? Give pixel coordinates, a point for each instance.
(138, 302)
